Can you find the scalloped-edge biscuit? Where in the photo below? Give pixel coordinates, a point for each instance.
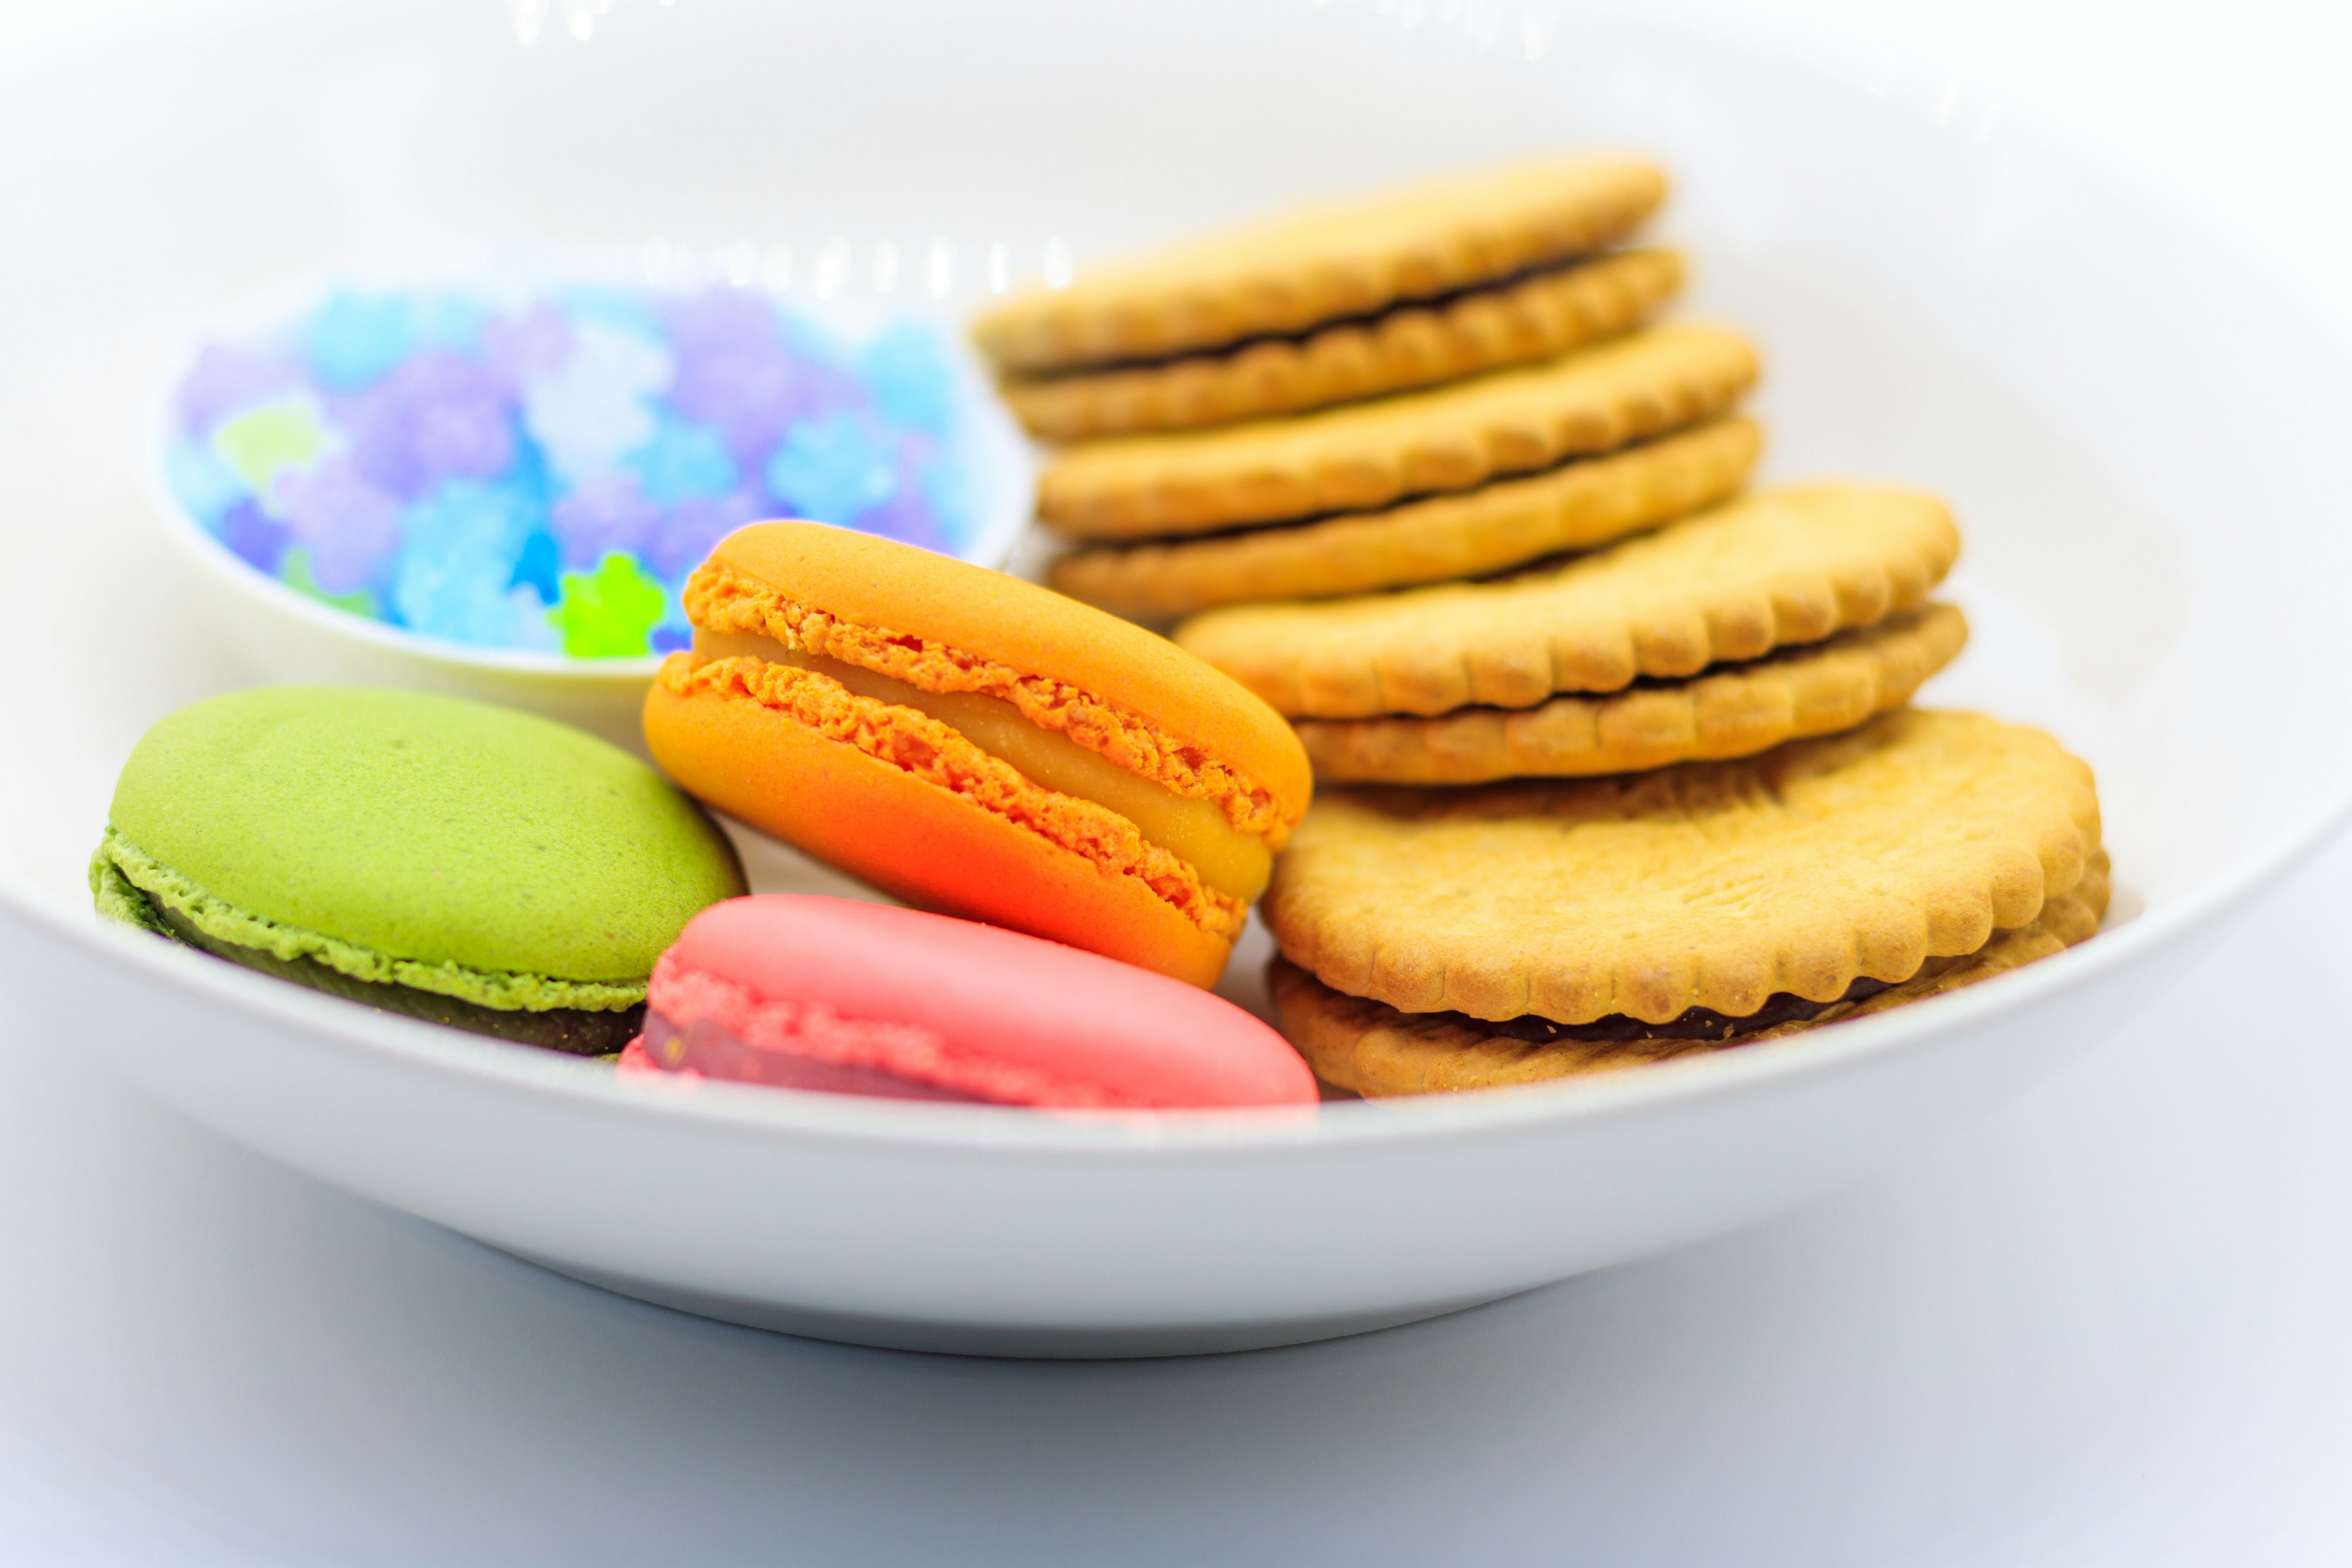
(1781, 566)
(1367, 455)
(1369, 1048)
(1711, 885)
(1810, 688)
(1576, 506)
(1326, 263)
(1518, 322)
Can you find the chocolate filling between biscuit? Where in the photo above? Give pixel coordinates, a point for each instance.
(1304, 335)
(1701, 1024)
(1195, 831)
(1421, 499)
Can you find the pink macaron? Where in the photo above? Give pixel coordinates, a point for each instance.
(857, 998)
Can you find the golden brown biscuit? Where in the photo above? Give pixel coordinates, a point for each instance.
(1735, 711)
(1712, 885)
(1328, 263)
(1533, 318)
(1472, 534)
(1369, 1048)
(1783, 566)
(1373, 454)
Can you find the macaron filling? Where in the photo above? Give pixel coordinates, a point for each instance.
(719, 598)
(1196, 831)
(583, 1017)
(718, 1025)
(940, 755)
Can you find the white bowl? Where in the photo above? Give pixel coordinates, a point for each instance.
(2143, 447)
(286, 636)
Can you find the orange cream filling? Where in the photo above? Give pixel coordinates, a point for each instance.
(718, 599)
(1194, 830)
(939, 755)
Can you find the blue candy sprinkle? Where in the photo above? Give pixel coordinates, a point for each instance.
(201, 482)
(538, 566)
(953, 492)
(912, 382)
(460, 549)
(545, 474)
(626, 308)
(439, 318)
(530, 628)
(831, 469)
(354, 338)
(684, 461)
(598, 407)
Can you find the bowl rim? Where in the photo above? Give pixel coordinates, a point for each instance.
(756, 1110)
(719, 1109)
(994, 543)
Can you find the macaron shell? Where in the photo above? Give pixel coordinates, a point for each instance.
(881, 583)
(999, 995)
(425, 828)
(913, 839)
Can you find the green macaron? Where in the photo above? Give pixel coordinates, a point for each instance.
(472, 864)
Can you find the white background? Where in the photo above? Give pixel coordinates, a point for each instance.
(2112, 1324)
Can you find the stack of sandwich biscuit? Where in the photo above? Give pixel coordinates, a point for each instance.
(1626, 762)
(1443, 382)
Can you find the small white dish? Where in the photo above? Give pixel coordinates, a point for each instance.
(290, 635)
(2142, 445)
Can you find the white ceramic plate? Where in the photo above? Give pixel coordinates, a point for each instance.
(2144, 450)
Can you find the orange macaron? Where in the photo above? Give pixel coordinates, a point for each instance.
(978, 745)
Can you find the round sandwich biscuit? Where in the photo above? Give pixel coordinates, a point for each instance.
(1536, 317)
(1727, 710)
(1468, 533)
(469, 864)
(1371, 1049)
(1303, 268)
(1783, 566)
(976, 744)
(1375, 453)
(1712, 885)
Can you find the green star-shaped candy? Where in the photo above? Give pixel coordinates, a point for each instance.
(609, 613)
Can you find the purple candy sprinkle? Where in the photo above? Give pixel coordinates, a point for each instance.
(258, 538)
(473, 456)
(531, 346)
(228, 379)
(604, 515)
(692, 527)
(351, 528)
(436, 416)
(906, 516)
(736, 373)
